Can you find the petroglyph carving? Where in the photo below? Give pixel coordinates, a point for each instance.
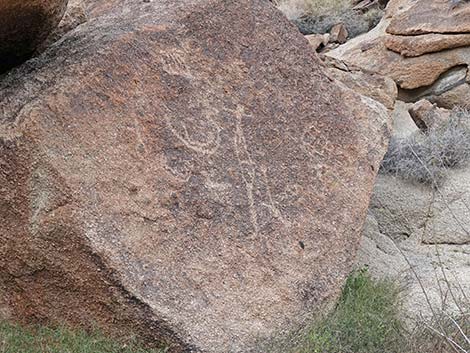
(254, 177)
(247, 167)
(201, 136)
(174, 63)
(271, 204)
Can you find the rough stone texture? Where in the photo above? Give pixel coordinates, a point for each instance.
(379, 253)
(339, 33)
(435, 217)
(458, 96)
(443, 59)
(74, 16)
(427, 115)
(24, 24)
(379, 88)
(370, 52)
(318, 40)
(435, 16)
(426, 43)
(403, 124)
(400, 207)
(450, 218)
(426, 234)
(448, 81)
(164, 177)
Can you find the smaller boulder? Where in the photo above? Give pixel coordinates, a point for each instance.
(403, 124)
(339, 33)
(411, 46)
(317, 41)
(427, 115)
(74, 16)
(24, 24)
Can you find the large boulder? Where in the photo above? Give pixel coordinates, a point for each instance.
(163, 176)
(24, 25)
(423, 45)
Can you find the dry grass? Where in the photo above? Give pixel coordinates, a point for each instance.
(426, 157)
(295, 9)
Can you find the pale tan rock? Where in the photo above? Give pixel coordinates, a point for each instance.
(163, 177)
(379, 88)
(318, 40)
(403, 123)
(339, 33)
(439, 268)
(409, 221)
(427, 115)
(24, 24)
(409, 210)
(426, 43)
(379, 254)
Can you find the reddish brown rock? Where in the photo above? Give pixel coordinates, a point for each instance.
(371, 52)
(161, 176)
(431, 16)
(339, 33)
(426, 43)
(24, 24)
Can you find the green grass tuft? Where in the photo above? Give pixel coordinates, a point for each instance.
(365, 320)
(16, 339)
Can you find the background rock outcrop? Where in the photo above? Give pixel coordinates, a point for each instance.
(424, 46)
(421, 238)
(161, 176)
(24, 24)
(420, 234)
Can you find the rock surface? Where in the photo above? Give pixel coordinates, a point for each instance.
(163, 177)
(404, 209)
(409, 225)
(74, 15)
(426, 115)
(435, 16)
(24, 24)
(403, 124)
(379, 88)
(339, 33)
(418, 44)
(427, 43)
(318, 41)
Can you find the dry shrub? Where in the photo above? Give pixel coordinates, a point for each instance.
(318, 16)
(426, 157)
